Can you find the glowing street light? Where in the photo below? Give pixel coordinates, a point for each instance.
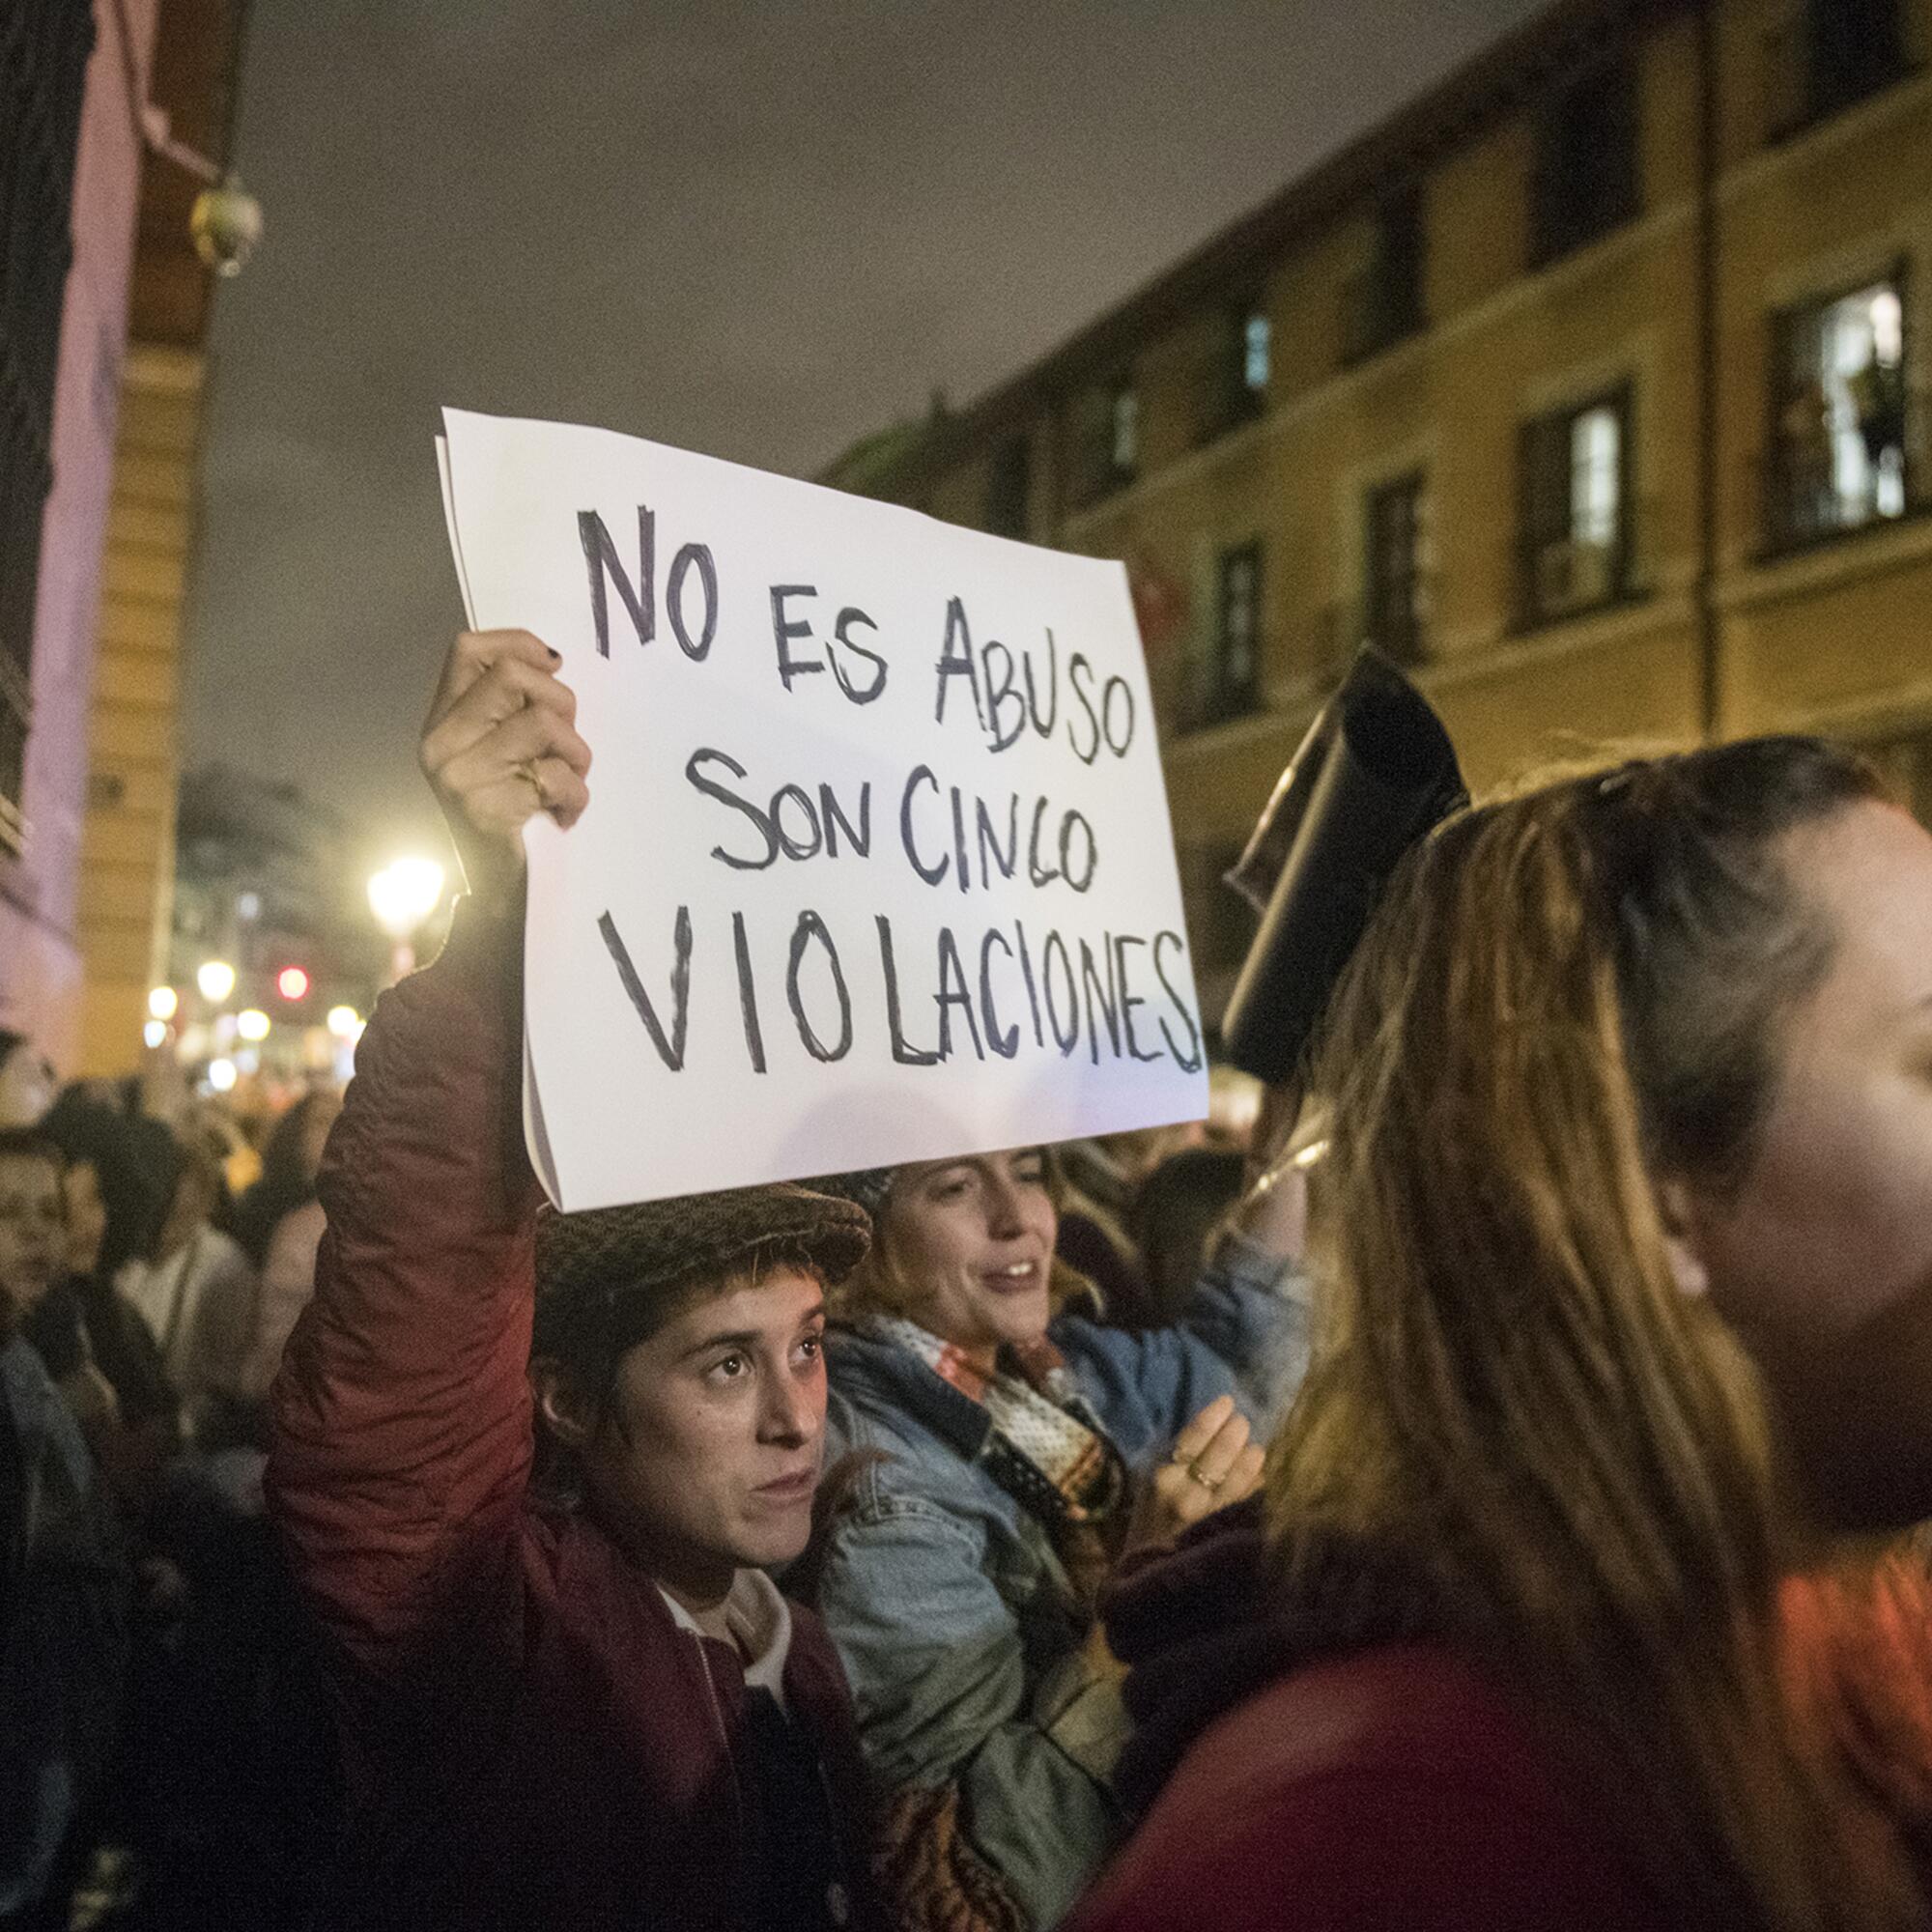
(252, 1024)
(163, 1003)
(344, 1022)
(404, 893)
(402, 896)
(221, 1075)
(155, 1034)
(217, 979)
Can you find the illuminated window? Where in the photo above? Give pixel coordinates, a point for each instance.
(1255, 354)
(1235, 381)
(1106, 429)
(1839, 436)
(1576, 508)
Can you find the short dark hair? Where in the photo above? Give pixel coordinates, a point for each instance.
(589, 1350)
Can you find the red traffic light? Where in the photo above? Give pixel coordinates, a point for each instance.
(292, 982)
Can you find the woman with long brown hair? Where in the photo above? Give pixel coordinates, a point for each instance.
(1000, 1450)
(1623, 1316)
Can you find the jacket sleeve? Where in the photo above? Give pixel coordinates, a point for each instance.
(402, 1412)
(939, 1673)
(1245, 1334)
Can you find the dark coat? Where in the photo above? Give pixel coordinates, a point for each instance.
(530, 1740)
(1391, 1784)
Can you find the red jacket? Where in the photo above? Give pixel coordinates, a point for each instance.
(531, 1740)
(1390, 1791)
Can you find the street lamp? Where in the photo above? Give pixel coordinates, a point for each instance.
(217, 979)
(402, 896)
(163, 1003)
(252, 1025)
(344, 1022)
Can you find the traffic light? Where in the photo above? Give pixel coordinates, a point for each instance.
(292, 982)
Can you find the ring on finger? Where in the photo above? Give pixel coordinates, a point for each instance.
(1209, 1483)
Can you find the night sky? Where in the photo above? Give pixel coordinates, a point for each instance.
(757, 230)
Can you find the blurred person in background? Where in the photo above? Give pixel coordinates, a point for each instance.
(1002, 1452)
(210, 1124)
(64, 1580)
(291, 1160)
(1577, 1612)
(196, 1292)
(1170, 1222)
(1095, 1180)
(27, 1081)
(121, 1173)
(279, 1225)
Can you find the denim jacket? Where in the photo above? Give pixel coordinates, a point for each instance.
(957, 1626)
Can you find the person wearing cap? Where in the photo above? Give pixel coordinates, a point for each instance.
(999, 1452)
(574, 1701)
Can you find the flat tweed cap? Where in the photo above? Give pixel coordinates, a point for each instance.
(598, 1268)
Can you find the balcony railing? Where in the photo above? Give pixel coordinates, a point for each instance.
(1564, 577)
(1807, 499)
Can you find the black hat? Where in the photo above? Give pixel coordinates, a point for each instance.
(600, 1271)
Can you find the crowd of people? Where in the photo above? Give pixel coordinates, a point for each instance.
(1506, 1519)
(166, 1759)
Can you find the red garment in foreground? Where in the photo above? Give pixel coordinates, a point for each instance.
(1389, 1791)
(531, 1740)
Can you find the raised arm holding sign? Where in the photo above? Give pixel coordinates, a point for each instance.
(576, 1702)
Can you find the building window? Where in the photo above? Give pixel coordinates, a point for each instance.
(39, 128)
(1585, 180)
(1395, 567)
(1254, 343)
(1575, 517)
(1234, 683)
(1008, 487)
(1124, 432)
(1107, 440)
(1831, 55)
(1383, 303)
(1838, 433)
(1236, 382)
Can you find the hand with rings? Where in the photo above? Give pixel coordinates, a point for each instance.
(1213, 1464)
(502, 744)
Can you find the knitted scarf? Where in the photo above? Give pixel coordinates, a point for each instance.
(1047, 1448)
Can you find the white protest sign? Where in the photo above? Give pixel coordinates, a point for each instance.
(877, 865)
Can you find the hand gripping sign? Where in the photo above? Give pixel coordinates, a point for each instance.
(877, 865)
